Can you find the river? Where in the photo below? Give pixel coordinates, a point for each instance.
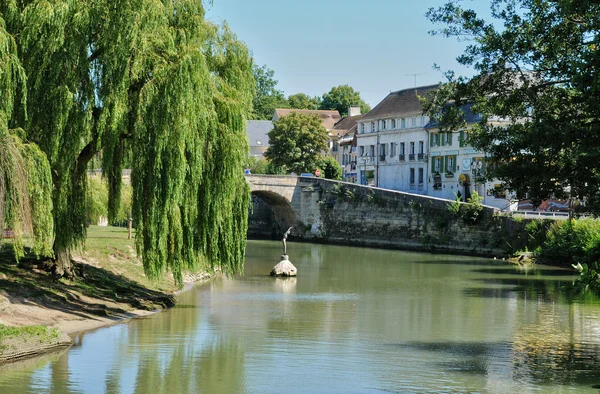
(355, 320)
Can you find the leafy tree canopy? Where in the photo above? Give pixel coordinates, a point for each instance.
(267, 97)
(331, 168)
(296, 142)
(342, 97)
(173, 92)
(537, 72)
(303, 101)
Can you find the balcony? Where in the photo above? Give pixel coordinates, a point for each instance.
(381, 157)
(401, 157)
(421, 156)
(411, 157)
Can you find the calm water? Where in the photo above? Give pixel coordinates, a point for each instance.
(354, 321)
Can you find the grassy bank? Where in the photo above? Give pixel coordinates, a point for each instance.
(110, 285)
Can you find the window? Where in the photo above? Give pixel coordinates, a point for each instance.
(447, 139)
(420, 176)
(402, 148)
(393, 123)
(414, 122)
(362, 128)
(437, 163)
(382, 149)
(393, 149)
(451, 163)
(372, 127)
(382, 125)
(435, 139)
(362, 151)
(412, 148)
(403, 123)
(372, 150)
(412, 176)
(421, 146)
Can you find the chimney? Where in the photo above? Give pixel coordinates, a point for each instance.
(353, 111)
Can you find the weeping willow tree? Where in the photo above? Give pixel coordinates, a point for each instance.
(151, 79)
(25, 184)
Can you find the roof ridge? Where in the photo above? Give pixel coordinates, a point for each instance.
(415, 88)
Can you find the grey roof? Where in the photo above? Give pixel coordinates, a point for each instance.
(470, 117)
(257, 132)
(402, 103)
(348, 123)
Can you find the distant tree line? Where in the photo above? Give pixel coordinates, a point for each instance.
(267, 97)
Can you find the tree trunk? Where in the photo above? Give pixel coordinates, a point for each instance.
(63, 266)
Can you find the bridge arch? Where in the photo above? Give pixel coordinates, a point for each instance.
(272, 214)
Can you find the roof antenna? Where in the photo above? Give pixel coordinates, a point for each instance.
(414, 75)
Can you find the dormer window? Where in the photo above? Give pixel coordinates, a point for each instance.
(383, 125)
(393, 123)
(372, 127)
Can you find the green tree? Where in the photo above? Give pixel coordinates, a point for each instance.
(25, 179)
(536, 85)
(342, 97)
(97, 204)
(303, 101)
(331, 168)
(267, 97)
(296, 142)
(173, 92)
(256, 165)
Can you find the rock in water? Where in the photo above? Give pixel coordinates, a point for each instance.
(284, 268)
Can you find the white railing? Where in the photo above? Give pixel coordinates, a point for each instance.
(541, 214)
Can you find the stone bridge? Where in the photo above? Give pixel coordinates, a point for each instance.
(322, 210)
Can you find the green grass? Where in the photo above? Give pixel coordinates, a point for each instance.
(12, 338)
(115, 274)
(43, 333)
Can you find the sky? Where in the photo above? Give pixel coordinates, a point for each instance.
(313, 45)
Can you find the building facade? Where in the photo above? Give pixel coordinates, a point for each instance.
(399, 148)
(392, 146)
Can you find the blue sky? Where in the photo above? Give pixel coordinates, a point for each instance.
(370, 45)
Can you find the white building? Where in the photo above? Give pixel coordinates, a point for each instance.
(392, 143)
(398, 148)
(456, 168)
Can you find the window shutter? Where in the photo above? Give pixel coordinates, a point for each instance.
(442, 142)
(431, 139)
(445, 164)
(450, 139)
(461, 139)
(432, 164)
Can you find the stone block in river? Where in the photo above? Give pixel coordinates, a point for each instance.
(284, 267)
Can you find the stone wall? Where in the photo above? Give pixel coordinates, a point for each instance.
(344, 213)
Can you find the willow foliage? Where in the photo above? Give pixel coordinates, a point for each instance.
(25, 183)
(154, 80)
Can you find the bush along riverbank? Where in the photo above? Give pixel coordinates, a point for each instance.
(36, 309)
(569, 243)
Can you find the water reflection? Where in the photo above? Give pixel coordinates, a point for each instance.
(354, 320)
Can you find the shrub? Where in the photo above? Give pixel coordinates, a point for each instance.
(331, 168)
(575, 241)
(471, 211)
